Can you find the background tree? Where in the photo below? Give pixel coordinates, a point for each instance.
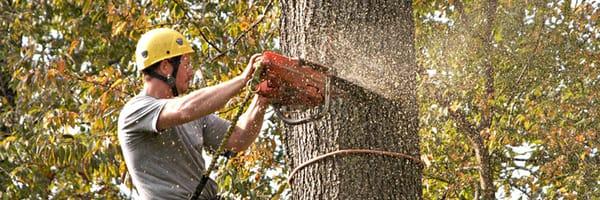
(370, 45)
(70, 66)
(522, 78)
(66, 70)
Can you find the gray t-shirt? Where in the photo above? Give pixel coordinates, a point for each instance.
(166, 164)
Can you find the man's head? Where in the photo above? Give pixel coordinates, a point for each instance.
(165, 54)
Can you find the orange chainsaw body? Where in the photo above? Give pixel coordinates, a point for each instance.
(292, 82)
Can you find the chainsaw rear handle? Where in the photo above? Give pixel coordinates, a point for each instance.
(290, 121)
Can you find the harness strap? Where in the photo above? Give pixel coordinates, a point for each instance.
(169, 80)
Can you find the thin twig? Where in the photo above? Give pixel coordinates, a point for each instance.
(105, 86)
(516, 167)
(520, 159)
(209, 42)
(466, 126)
(438, 178)
(535, 49)
(513, 185)
(3, 170)
(15, 177)
(188, 14)
(239, 37)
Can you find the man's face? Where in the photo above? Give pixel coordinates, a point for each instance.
(185, 73)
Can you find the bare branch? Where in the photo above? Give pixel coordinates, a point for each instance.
(236, 40)
(267, 9)
(107, 87)
(514, 186)
(438, 178)
(3, 170)
(209, 42)
(463, 124)
(188, 14)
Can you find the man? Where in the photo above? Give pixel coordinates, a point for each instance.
(162, 135)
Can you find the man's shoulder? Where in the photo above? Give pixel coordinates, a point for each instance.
(140, 98)
(139, 105)
(138, 101)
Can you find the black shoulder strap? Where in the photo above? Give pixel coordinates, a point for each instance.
(175, 63)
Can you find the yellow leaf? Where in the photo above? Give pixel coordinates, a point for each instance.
(122, 167)
(116, 83)
(527, 125)
(580, 138)
(104, 101)
(455, 106)
(60, 66)
(244, 25)
(73, 45)
(7, 140)
(521, 118)
(117, 28)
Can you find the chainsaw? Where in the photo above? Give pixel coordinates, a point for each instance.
(293, 82)
(288, 82)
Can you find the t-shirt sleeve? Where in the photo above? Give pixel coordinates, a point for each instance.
(141, 115)
(214, 129)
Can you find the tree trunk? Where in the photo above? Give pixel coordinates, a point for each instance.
(370, 45)
(486, 175)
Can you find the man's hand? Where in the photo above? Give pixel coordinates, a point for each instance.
(249, 125)
(249, 71)
(262, 101)
(204, 101)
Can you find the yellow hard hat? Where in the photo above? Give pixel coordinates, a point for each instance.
(159, 44)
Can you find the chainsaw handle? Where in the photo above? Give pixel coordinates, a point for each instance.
(320, 115)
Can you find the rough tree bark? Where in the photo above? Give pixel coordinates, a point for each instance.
(370, 45)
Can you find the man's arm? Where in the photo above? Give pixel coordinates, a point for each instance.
(203, 101)
(198, 103)
(248, 126)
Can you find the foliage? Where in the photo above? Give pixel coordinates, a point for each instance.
(70, 66)
(66, 72)
(543, 137)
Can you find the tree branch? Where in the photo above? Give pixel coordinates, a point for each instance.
(188, 14)
(481, 154)
(209, 42)
(105, 86)
(438, 178)
(6, 172)
(520, 159)
(513, 185)
(518, 83)
(464, 125)
(488, 110)
(237, 39)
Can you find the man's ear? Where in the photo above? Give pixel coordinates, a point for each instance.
(165, 68)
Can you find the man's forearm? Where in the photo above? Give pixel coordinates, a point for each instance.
(199, 103)
(208, 100)
(248, 127)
